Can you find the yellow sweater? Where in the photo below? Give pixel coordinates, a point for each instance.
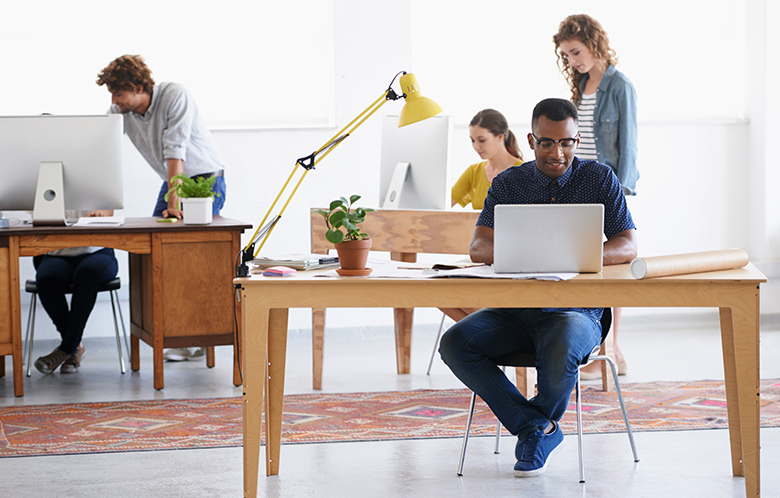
(473, 185)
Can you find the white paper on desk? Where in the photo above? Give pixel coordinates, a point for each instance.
(487, 272)
(389, 269)
(100, 221)
(384, 269)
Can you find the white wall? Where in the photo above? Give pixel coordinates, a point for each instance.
(704, 174)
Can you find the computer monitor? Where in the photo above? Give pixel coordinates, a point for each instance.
(49, 164)
(415, 167)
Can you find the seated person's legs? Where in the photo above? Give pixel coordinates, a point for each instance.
(54, 274)
(458, 314)
(92, 270)
(467, 348)
(562, 340)
(559, 339)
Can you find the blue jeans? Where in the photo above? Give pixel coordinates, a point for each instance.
(560, 341)
(86, 273)
(219, 200)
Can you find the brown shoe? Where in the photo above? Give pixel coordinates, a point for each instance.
(49, 363)
(72, 364)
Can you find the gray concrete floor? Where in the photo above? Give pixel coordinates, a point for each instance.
(684, 463)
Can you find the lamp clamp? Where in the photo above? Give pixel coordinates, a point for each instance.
(309, 161)
(391, 95)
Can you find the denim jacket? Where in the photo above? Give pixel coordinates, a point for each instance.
(615, 128)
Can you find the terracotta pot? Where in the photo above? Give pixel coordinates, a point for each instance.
(353, 255)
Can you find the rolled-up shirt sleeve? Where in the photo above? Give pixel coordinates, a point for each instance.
(176, 135)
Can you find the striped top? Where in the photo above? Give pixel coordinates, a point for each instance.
(587, 147)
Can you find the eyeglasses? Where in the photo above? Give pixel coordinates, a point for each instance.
(547, 144)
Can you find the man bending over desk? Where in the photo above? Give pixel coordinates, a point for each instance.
(560, 338)
(163, 122)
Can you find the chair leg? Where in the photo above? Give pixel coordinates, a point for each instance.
(630, 433)
(30, 331)
(436, 343)
(497, 449)
(112, 295)
(578, 398)
(466, 435)
(122, 322)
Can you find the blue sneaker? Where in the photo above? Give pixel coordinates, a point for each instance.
(535, 450)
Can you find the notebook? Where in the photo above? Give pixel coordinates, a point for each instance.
(555, 238)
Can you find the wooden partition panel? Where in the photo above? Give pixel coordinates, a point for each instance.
(407, 231)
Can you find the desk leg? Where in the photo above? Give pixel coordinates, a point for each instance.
(157, 362)
(732, 394)
(210, 359)
(135, 353)
(277, 353)
(236, 360)
(317, 346)
(254, 341)
(403, 323)
(237, 340)
(740, 340)
(403, 338)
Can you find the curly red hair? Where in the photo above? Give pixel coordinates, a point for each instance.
(587, 30)
(127, 72)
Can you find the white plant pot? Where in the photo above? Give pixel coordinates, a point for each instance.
(197, 210)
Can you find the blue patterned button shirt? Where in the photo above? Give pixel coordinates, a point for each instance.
(585, 182)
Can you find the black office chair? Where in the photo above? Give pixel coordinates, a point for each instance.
(529, 360)
(112, 286)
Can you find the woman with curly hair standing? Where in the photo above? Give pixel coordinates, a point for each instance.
(606, 105)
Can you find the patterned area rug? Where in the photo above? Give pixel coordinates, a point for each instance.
(319, 418)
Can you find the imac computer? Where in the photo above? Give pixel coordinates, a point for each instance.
(415, 167)
(49, 164)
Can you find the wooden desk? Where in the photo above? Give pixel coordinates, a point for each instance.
(265, 303)
(181, 291)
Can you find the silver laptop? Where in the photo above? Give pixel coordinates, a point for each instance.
(549, 238)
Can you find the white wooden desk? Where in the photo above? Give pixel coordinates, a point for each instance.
(265, 304)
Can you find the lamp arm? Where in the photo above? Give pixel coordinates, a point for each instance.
(308, 163)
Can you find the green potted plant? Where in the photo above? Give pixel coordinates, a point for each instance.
(196, 196)
(343, 230)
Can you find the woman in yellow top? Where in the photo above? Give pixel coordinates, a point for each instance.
(497, 146)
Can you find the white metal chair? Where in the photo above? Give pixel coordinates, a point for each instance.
(111, 286)
(529, 360)
(436, 343)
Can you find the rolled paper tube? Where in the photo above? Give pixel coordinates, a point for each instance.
(695, 262)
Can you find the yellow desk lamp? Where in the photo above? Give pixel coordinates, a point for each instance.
(417, 108)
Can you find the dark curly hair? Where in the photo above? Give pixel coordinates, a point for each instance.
(587, 30)
(127, 72)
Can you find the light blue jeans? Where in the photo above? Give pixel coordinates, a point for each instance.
(559, 339)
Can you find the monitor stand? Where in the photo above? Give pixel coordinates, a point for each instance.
(49, 207)
(393, 195)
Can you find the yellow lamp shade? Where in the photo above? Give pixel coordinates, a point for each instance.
(417, 107)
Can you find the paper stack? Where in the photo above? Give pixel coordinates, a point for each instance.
(297, 261)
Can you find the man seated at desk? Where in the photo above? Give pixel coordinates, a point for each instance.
(559, 337)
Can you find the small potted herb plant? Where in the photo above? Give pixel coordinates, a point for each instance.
(196, 196)
(343, 230)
